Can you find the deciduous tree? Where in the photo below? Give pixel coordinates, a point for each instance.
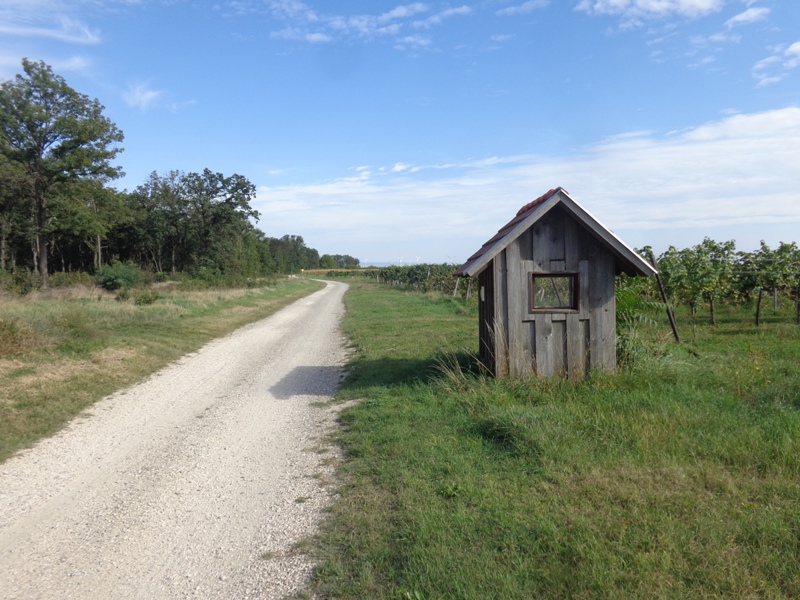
(58, 136)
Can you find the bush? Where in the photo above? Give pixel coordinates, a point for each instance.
(145, 297)
(119, 275)
(19, 282)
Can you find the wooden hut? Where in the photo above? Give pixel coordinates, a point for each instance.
(546, 284)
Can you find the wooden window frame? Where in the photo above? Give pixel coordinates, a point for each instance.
(574, 305)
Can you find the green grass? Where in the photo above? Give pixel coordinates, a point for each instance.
(62, 352)
(678, 477)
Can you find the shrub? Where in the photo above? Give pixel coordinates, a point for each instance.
(21, 281)
(145, 297)
(118, 275)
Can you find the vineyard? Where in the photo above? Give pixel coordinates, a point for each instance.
(713, 272)
(421, 278)
(698, 278)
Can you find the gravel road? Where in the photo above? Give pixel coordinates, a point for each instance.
(197, 483)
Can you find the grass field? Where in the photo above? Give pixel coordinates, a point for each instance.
(678, 477)
(61, 352)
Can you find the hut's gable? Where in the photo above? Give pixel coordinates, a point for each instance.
(546, 284)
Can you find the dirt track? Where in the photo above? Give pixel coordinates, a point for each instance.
(196, 483)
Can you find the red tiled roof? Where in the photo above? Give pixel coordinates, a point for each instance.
(522, 214)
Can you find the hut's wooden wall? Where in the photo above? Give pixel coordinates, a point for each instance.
(517, 342)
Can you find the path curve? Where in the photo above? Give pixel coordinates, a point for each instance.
(196, 483)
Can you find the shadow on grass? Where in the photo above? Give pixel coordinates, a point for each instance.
(391, 372)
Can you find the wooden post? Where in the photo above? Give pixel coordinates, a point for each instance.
(797, 302)
(758, 307)
(455, 291)
(670, 312)
(469, 288)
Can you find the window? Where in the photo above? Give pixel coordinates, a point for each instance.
(553, 292)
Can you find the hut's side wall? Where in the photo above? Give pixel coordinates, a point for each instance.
(550, 343)
(486, 320)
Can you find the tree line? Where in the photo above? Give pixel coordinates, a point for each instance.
(58, 210)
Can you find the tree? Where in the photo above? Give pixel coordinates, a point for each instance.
(15, 215)
(58, 136)
(86, 211)
(220, 213)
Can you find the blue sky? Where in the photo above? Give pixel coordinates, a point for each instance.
(410, 132)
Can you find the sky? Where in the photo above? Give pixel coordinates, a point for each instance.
(411, 132)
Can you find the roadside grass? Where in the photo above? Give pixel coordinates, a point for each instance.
(61, 352)
(677, 477)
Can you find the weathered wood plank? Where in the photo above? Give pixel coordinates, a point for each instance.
(525, 242)
(544, 347)
(486, 316)
(558, 346)
(583, 283)
(519, 342)
(572, 244)
(602, 310)
(501, 315)
(576, 342)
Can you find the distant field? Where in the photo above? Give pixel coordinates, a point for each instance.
(62, 351)
(679, 477)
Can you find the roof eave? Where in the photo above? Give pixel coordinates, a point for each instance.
(483, 261)
(631, 263)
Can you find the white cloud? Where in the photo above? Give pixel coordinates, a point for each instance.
(738, 174)
(502, 38)
(303, 24)
(776, 68)
(792, 55)
(438, 18)
(412, 41)
(292, 9)
(524, 8)
(751, 15)
(402, 12)
(318, 38)
(635, 12)
(716, 38)
(140, 96)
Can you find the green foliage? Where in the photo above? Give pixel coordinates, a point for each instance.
(119, 276)
(22, 281)
(145, 297)
(57, 138)
(712, 271)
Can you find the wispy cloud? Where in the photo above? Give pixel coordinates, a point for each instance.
(412, 42)
(63, 29)
(524, 8)
(140, 96)
(636, 12)
(776, 68)
(741, 171)
(751, 15)
(439, 17)
(304, 24)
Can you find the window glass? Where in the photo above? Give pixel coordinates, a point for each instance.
(554, 291)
